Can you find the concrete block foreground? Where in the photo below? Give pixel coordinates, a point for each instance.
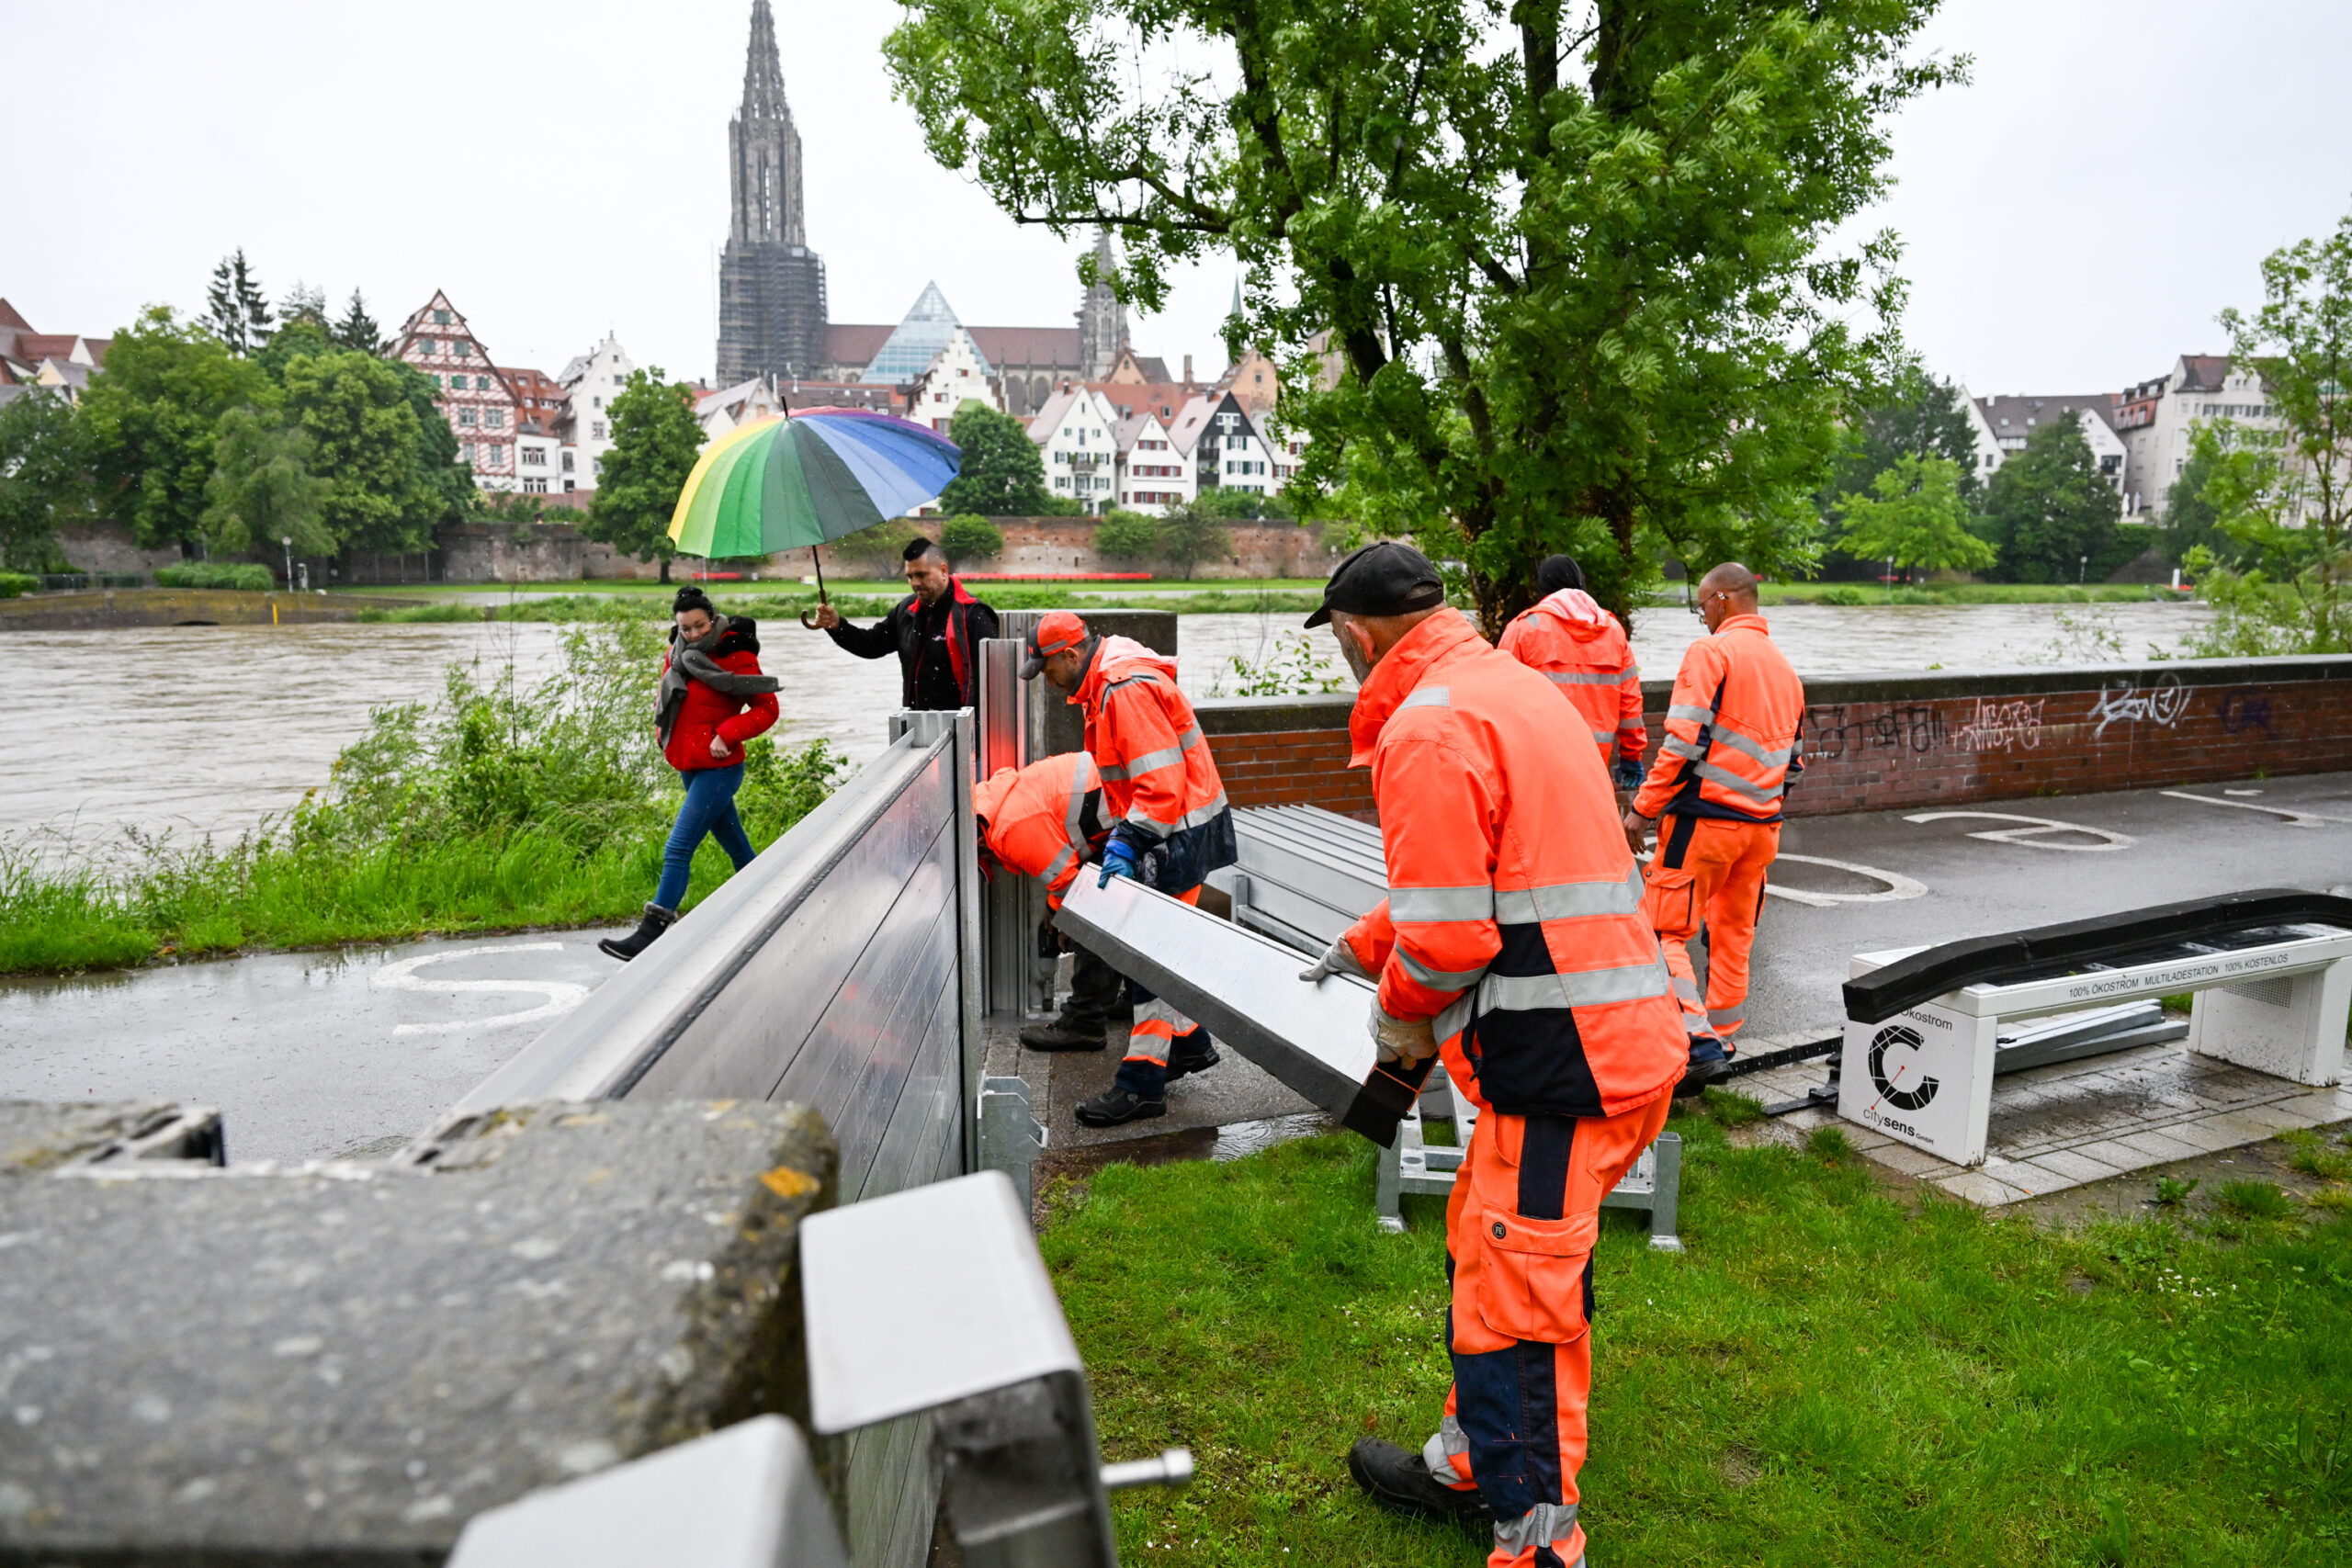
(342, 1362)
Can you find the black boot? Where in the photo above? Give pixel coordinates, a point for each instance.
(1193, 1053)
(1116, 1107)
(657, 920)
(1401, 1484)
(1708, 1060)
(1065, 1033)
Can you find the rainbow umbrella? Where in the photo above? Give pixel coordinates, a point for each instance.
(778, 483)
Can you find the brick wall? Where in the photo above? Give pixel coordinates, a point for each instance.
(1883, 742)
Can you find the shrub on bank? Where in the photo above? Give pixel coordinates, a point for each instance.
(498, 806)
(971, 539)
(242, 575)
(15, 582)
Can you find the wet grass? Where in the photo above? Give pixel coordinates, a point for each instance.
(1831, 1374)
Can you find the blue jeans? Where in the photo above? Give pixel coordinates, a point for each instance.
(710, 808)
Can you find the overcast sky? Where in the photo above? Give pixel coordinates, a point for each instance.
(2072, 221)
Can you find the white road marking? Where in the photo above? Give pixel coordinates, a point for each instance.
(561, 996)
(1898, 885)
(2031, 835)
(2294, 818)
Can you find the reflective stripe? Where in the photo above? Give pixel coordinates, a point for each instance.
(1677, 747)
(1059, 862)
(1546, 1524)
(1604, 735)
(1456, 1015)
(1437, 979)
(1569, 900)
(1129, 680)
(1074, 815)
(1695, 715)
(1166, 757)
(1626, 726)
(1721, 1016)
(1587, 677)
(1193, 818)
(1440, 903)
(1592, 987)
(1685, 989)
(1438, 1454)
(1745, 747)
(1190, 739)
(1731, 780)
(1429, 697)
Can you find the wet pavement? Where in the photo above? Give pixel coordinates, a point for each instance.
(306, 1054)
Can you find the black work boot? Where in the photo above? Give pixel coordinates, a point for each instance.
(657, 920)
(1708, 1060)
(1193, 1053)
(1400, 1483)
(1116, 1107)
(1065, 1033)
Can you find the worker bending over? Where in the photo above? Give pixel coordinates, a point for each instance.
(1571, 641)
(1170, 826)
(1714, 796)
(1511, 940)
(1046, 822)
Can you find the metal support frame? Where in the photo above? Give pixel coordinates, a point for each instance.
(1653, 1188)
(958, 727)
(1013, 907)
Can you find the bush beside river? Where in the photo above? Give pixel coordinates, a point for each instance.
(499, 806)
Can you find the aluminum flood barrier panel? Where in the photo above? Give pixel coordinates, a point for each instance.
(840, 970)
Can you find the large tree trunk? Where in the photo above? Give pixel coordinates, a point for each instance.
(665, 571)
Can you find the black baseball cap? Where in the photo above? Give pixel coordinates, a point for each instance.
(1386, 579)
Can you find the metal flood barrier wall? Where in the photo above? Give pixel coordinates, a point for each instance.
(840, 970)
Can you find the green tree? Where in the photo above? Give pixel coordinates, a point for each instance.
(1244, 505)
(236, 311)
(44, 477)
(1579, 267)
(357, 329)
(1914, 515)
(368, 448)
(2191, 520)
(150, 418)
(2051, 513)
(1190, 535)
(656, 440)
(297, 336)
(2285, 497)
(262, 490)
(1002, 475)
(1915, 414)
(1131, 537)
(970, 538)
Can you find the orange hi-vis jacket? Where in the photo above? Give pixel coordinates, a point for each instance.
(1572, 642)
(1513, 909)
(1043, 820)
(1732, 731)
(1158, 776)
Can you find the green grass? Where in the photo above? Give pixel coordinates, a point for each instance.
(1826, 1377)
(1865, 593)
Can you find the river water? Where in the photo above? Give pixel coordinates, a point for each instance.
(190, 730)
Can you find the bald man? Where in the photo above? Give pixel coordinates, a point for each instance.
(1714, 798)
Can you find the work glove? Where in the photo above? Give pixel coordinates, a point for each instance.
(1341, 958)
(1402, 1040)
(1119, 859)
(1629, 774)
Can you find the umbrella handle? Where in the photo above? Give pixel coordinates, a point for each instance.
(805, 619)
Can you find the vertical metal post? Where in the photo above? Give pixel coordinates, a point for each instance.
(1012, 905)
(967, 934)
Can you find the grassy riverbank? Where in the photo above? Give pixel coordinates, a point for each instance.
(493, 808)
(1833, 1374)
(782, 605)
(1863, 595)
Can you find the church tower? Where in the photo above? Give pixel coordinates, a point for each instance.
(1101, 319)
(771, 286)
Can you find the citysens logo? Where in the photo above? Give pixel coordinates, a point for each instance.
(1906, 1089)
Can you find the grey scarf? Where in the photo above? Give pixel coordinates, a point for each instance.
(694, 660)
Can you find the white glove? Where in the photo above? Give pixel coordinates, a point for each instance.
(1339, 960)
(1400, 1038)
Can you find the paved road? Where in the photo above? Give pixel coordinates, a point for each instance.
(2125, 851)
(306, 1054)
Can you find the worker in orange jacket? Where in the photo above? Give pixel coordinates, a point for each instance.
(1511, 942)
(1046, 822)
(1571, 641)
(1170, 825)
(1714, 796)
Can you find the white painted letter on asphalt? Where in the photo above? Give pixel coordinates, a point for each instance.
(561, 996)
(2032, 834)
(2294, 818)
(1897, 885)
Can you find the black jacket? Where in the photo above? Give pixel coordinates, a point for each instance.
(903, 632)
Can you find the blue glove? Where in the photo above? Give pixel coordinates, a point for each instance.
(1119, 859)
(1629, 774)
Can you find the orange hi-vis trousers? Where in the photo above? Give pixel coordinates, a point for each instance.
(1707, 871)
(1153, 1036)
(1520, 1230)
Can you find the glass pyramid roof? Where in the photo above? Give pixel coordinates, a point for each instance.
(917, 340)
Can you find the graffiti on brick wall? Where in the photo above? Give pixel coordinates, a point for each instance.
(2160, 705)
(2245, 709)
(1830, 731)
(2002, 726)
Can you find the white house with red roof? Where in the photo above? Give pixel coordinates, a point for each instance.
(1075, 433)
(484, 408)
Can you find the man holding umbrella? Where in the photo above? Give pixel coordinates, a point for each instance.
(935, 631)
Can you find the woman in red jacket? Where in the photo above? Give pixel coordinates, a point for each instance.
(713, 699)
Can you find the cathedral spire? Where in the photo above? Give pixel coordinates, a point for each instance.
(1101, 318)
(771, 286)
(765, 145)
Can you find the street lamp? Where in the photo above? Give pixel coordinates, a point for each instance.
(2082, 570)
(288, 541)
